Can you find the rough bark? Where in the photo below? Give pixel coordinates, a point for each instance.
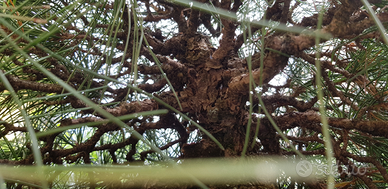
(212, 86)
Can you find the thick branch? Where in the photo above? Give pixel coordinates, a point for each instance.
(19, 84)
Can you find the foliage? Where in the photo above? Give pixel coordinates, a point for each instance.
(118, 94)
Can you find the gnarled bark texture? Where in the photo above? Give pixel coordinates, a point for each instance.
(212, 84)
